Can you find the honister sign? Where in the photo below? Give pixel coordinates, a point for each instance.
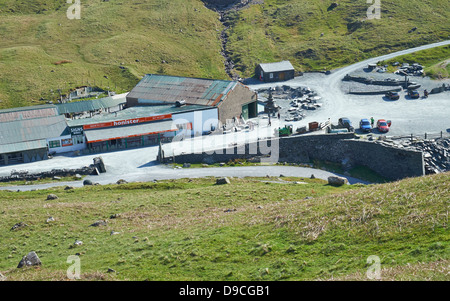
(125, 122)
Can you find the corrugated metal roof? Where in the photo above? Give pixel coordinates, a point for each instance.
(130, 131)
(278, 66)
(159, 89)
(23, 146)
(30, 112)
(32, 129)
(135, 112)
(89, 105)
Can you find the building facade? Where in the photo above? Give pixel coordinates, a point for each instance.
(274, 72)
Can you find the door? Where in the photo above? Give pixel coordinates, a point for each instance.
(245, 112)
(281, 75)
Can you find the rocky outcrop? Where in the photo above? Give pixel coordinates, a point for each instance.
(31, 259)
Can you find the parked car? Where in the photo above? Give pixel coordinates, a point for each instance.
(413, 93)
(392, 95)
(364, 125)
(383, 125)
(344, 122)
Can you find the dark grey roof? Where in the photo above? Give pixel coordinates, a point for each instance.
(89, 105)
(30, 112)
(32, 129)
(276, 67)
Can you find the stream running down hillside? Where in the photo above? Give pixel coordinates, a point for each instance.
(224, 8)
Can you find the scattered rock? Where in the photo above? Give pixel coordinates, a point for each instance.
(121, 181)
(114, 233)
(19, 225)
(31, 259)
(281, 176)
(222, 181)
(312, 176)
(78, 243)
(87, 182)
(337, 181)
(52, 197)
(50, 219)
(116, 215)
(2, 278)
(221, 164)
(56, 178)
(229, 210)
(111, 271)
(69, 188)
(78, 176)
(99, 223)
(186, 165)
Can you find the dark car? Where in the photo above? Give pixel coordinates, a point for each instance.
(364, 125)
(344, 122)
(413, 93)
(392, 95)
(383, 125)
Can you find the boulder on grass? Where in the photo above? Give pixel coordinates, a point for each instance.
(222, 181)
(29, 260)
(337, 181)
(52, 197)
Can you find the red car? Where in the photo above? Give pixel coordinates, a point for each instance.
(383, 125)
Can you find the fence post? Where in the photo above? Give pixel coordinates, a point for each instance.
(425, 136)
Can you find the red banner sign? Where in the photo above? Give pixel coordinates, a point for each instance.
(125, 122)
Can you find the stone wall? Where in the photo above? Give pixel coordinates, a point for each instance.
(232, 105)
(386, 160)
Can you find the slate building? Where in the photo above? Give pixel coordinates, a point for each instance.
(274, 72)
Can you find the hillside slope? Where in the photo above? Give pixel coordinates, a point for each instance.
(316, 36)
(116, 42)
(173, 37)
(251, 229)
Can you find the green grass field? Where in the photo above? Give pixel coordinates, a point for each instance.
(251, 229)
(140, 35)
(281, 29)
(137, 35)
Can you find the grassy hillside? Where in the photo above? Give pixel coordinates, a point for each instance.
(137, 35)
(252, 229)
(181, 37)
(282, 29)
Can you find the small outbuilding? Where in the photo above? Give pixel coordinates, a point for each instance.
(274, 72)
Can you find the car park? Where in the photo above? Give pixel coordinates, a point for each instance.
(364, 125)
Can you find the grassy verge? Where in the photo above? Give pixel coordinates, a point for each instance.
(41, 181)
(251, 229)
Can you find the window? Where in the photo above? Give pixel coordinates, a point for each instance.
(271, 75)
(54, 144)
